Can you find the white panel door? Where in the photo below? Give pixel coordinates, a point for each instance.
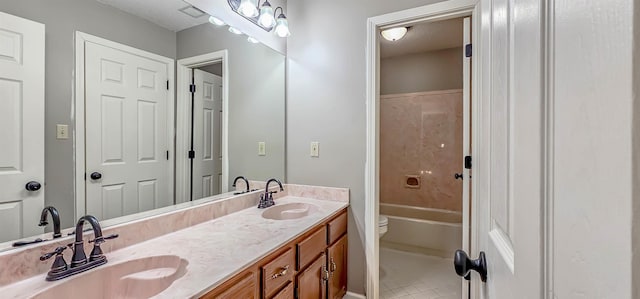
(126, 141)
(508, 163)
(21, 125)
(207, 164)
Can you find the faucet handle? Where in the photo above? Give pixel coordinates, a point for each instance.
(101, 240)
(59, 264)
(49, 255)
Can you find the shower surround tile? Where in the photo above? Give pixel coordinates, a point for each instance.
(421, 136)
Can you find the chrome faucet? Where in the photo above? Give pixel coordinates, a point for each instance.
(246, 182)
(55, 217)
(266, 199)
(79, 261)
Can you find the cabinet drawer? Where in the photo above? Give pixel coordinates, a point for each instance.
(337, 227)
(311, 247)
(278, 272)
(286, 293)
(243, 286)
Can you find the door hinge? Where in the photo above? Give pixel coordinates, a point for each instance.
(167, 84)
(167, 155)
(85, 176)
(192, 154)
(192, 88)
(467, 162)
(468, 50)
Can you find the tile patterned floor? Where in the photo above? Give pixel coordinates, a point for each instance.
(415, 276)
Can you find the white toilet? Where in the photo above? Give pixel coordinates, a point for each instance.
(383, 223)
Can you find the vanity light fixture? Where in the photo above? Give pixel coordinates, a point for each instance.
(234, 30)
(252, 40)
(262, 15)
(267, 18)
(216, 21)
(249, 8)
(394, 34)
(282, 25)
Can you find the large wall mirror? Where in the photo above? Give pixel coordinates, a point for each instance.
(122, 109)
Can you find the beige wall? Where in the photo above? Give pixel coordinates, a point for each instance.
(421, 137)
(256, 99)
(326, 103)
(434, 70)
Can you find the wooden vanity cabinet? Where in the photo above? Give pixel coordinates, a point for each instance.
(313, 266)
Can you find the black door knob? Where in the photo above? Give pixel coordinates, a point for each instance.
(458, 176)
(464, 265)
(33, 186)
(96, 176)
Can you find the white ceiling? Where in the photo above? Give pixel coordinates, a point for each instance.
(164, 13)
(425, 37)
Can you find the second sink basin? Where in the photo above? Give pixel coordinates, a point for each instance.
(139, 278)
(289, 211)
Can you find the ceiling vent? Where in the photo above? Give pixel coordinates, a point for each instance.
(192, 12)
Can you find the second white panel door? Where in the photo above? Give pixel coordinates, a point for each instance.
(207, 164)
(127, 158)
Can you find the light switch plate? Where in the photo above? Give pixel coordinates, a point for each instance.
(262, 148)
(62, 131)
(315, 149)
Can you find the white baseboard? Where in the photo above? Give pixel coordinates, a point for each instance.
(351, 295)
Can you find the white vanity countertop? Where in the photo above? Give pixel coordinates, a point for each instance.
(215, 250)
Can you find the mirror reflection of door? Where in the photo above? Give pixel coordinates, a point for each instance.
(21, 126)
(128, 157)
(207, 126)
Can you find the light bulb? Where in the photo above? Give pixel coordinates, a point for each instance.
(266, 15)
(234, 30)
(394, 34)
(282, 26)
(248, 8)
(216, 21)
(252, 40)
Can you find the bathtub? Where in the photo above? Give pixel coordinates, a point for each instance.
(422, 230)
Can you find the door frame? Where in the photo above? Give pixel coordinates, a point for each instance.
(184, 67)
(79, 99)
(433, 12)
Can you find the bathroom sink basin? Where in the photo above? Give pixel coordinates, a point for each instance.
(289, 211)
(139, 278)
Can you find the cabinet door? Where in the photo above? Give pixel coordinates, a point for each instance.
(312, 282)
(337, 260)
(245, 286)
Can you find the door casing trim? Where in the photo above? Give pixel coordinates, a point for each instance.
(184, 67)
(433, 12)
